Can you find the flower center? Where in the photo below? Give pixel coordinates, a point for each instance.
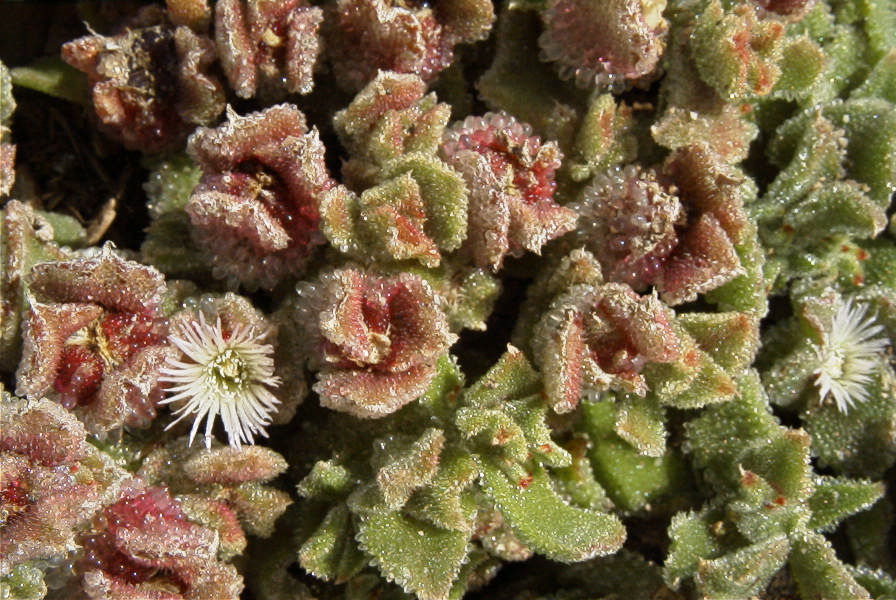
(228, 369)
(834, 363)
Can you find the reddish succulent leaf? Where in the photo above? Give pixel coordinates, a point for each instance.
(675, 229)
(94, 339)
(255, 210)
(375, 339)
(144, 546)
(510, 179)
(48, 485)
(603, 41)
(599, 337)
(268, 47)
(364, 36)
(150, 84)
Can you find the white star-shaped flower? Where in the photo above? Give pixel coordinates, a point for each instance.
(849, 354)
(222, 374)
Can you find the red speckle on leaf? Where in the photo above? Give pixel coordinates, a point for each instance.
(14, 495)
(501, 437)
(525, 482)
(79, 376)
(100, 553)
(127, 332)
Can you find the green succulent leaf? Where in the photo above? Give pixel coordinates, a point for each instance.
(446, 501)
(511, 377)
(52, 76)
(744, 572)
(879, 584)
(630, 478)
(407, 467)
(718, 439)
(835, 498)
(545, 522)
(328, 480)
(692, 542)
(423, 559)
(819, 573)
(641, 423)
(443, 193)
(331, 552)
(604, 138)
(23, 582)
(881, 81)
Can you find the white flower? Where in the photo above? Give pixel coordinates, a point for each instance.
(227, 375)
(849, 354)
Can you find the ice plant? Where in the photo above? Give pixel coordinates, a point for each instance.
(603, 42)
(400, 201)
(510, 177)
(592, 336)
(849, 353)
(466, 476)
(268, 47)
(226, 373)
(224, 488)
(676, 228)
(364, 36)
(373, 339)
(51, 481)
(829, 362)
(769, 508)
(255, 210)
(150, 84)
(143, 546)
(737, 50)
(94, 339)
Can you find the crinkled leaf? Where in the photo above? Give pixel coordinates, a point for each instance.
(640, 422)
(838, 207)
(692, 542)
(730, 338)
(784, 463)
(742, 573)
(802, 65)
(331, 552)
(604, 138)
(407, 466)
(493, 428)
(511, 377)
(445, 501)
(327, 480)
(443, 193)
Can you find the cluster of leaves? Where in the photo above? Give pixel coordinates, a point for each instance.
(671, 219)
